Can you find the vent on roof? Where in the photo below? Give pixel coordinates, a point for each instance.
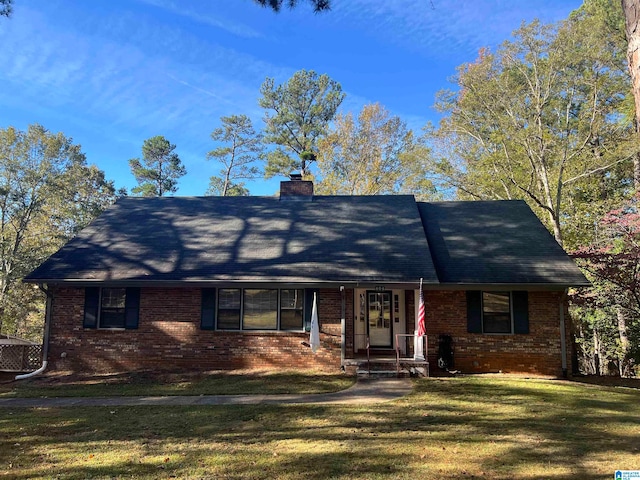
(296, 188)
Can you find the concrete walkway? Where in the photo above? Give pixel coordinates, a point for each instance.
(364, 391)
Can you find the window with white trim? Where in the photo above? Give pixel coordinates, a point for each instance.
(291, 309)
(229, 308)
(496, 312)
(111, 307)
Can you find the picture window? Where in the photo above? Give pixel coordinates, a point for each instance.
(260, 309)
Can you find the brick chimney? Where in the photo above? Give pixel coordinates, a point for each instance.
(296, 188)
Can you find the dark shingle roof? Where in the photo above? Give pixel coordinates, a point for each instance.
(332, 238)
(327, 239)
(489, 242)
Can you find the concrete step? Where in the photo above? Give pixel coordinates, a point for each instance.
(377, 373)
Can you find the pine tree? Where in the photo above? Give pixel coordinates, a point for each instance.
(159, 170)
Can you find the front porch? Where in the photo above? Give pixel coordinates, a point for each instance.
(408, 358)
(383, 339)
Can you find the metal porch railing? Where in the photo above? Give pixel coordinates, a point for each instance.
(362, 343)
(406, 358)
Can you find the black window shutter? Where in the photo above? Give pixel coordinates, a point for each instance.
(520, 312)
(474, 311)
(308, 307)
(132, 308)
(91, 305)
(208, 309)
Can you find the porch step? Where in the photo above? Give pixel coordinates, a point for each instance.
(387, 369)
(376, 373)
(379, 368)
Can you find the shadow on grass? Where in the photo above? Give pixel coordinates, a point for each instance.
(153, 383)
(454, 428)
(558, 423)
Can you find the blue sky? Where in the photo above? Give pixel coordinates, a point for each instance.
(111, 73)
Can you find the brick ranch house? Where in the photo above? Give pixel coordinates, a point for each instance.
(200, 283)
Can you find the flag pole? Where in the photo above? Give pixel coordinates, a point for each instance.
(418, 347)
(314, 334)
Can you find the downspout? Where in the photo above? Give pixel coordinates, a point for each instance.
(563, 339)
(343, 328)
(45, 342)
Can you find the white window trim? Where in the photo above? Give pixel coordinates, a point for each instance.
(99, 319)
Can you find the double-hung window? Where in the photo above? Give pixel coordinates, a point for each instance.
(498, 312)
(111, 308)
(112, 303)
(229, 308)
(291, 309)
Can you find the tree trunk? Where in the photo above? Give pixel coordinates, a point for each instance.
(557, 231)
(631, 10)
(580, 354)
(4, 283)
(623, 360)
(225, 186)
(596, 352)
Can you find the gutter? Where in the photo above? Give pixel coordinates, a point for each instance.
(231, 283)
(563, 339)
(45, 343)
(343, 328)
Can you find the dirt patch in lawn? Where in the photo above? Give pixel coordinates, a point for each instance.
(608, 381)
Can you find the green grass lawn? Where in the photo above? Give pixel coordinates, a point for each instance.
(148, 384)
(469, 427)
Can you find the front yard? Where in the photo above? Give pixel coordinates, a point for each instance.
(469, 427)
(237, 382)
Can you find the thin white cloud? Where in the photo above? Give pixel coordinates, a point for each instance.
(438, 27)
(198, 89)
(124, 78)
(226, 24)
(119, 75)
(129, 82)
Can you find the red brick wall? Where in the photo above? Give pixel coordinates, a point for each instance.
(296, 188)
(169, 337)
(538, 352)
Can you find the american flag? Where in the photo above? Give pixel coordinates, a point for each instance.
(421, 327)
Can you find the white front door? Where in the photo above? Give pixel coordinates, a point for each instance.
(379, 319)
